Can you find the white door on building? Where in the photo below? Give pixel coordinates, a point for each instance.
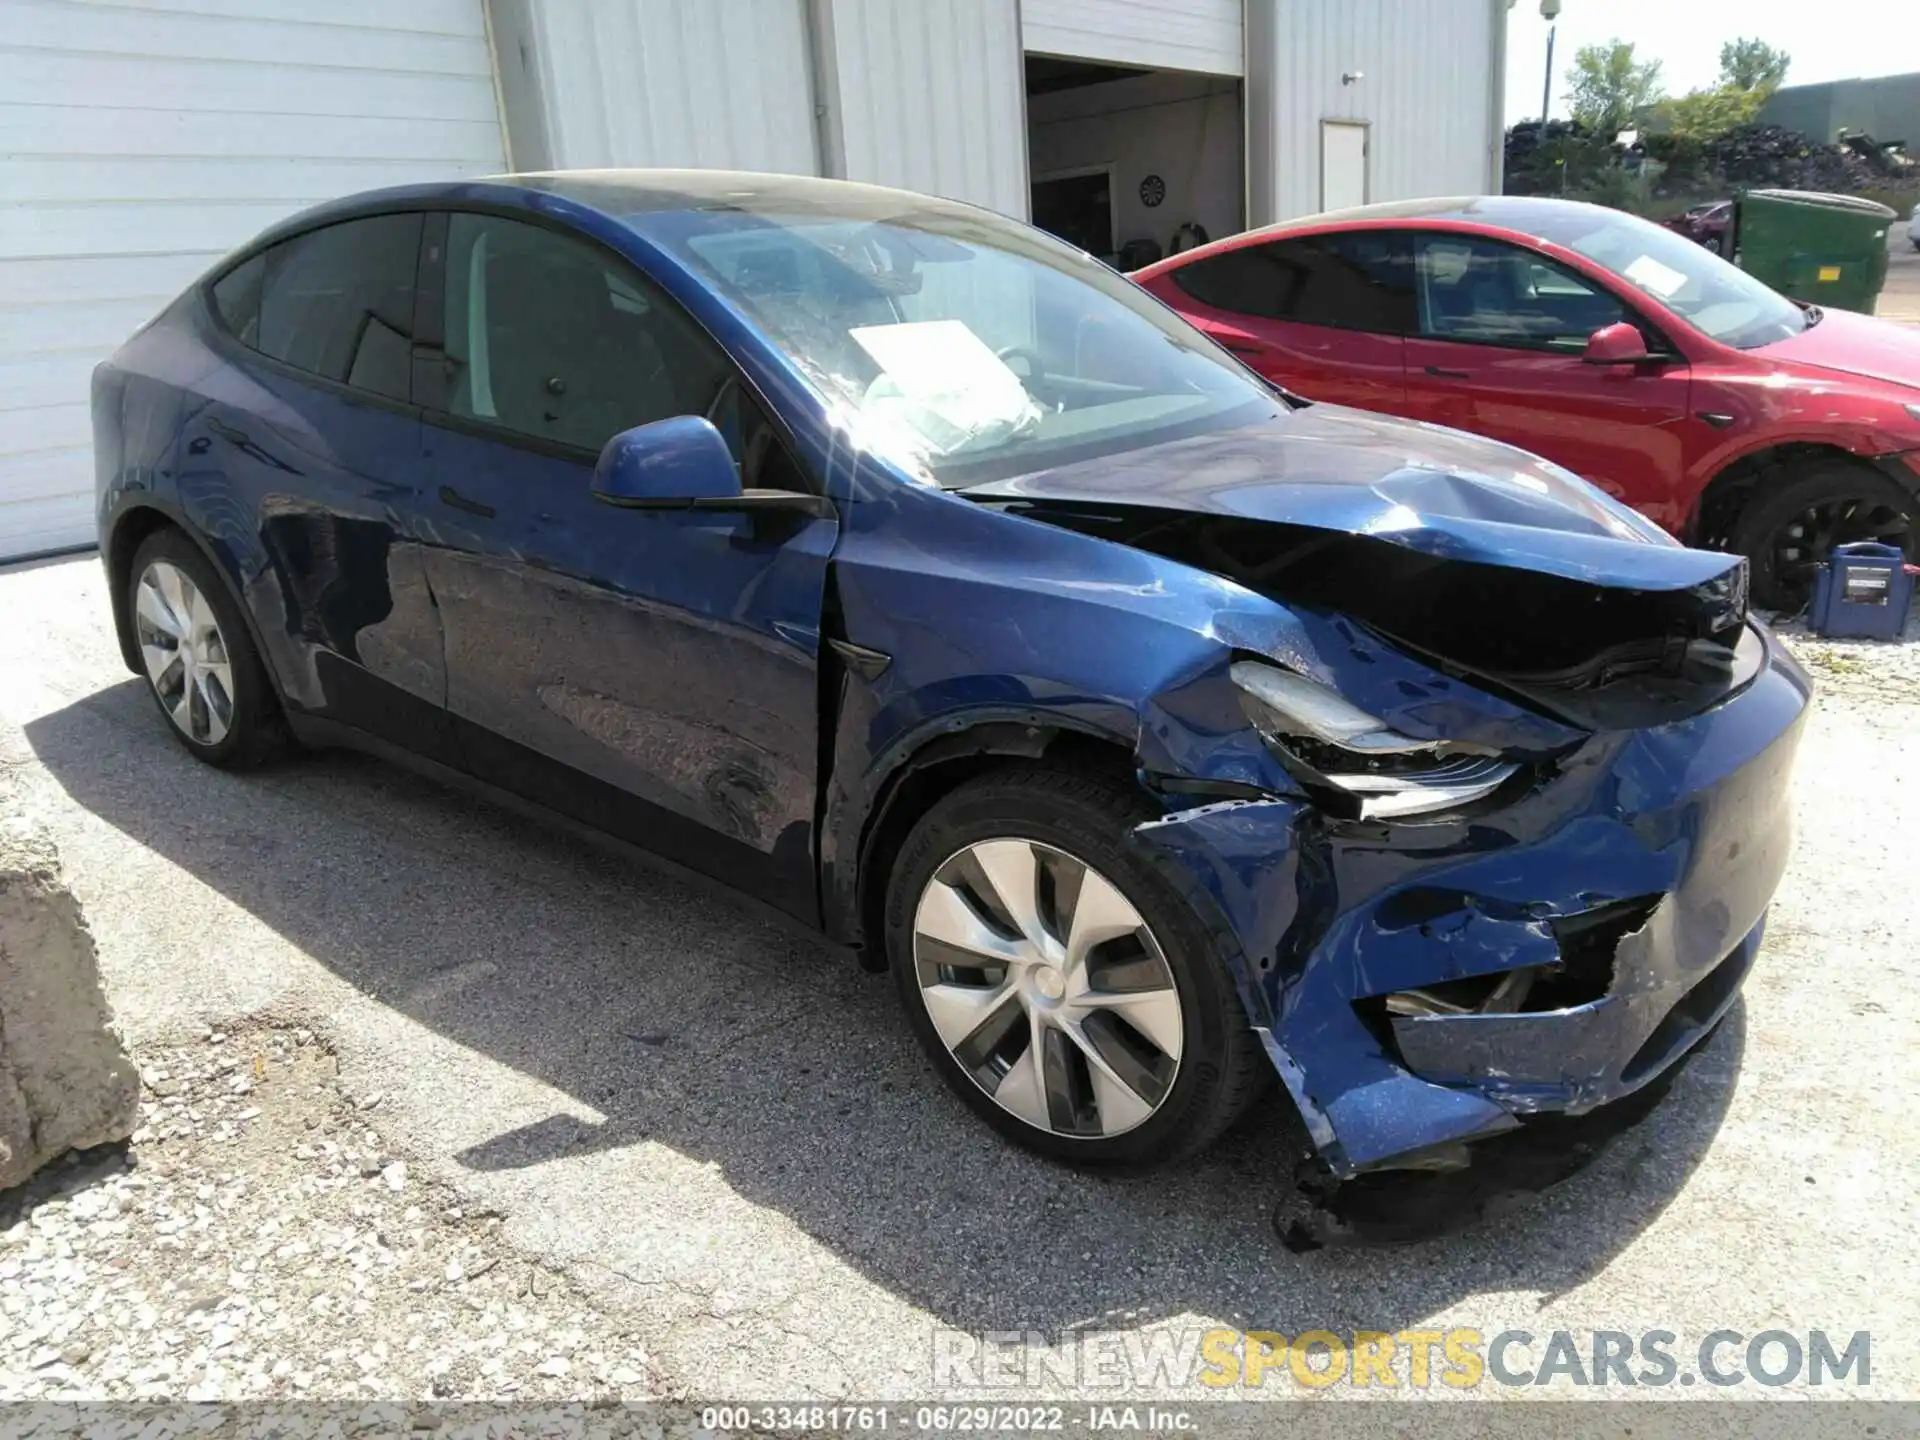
(139, 144)
(1343, 164)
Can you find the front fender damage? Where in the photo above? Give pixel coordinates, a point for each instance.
(1364, 1109)
(1511, 988)
(1267, 867)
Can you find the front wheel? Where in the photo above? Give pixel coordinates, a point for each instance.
(1063, 988)
(1796, 515)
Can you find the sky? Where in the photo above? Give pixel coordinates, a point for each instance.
(1827, 42)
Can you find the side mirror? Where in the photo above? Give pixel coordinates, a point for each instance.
(669, 462)
(1616, 344)
(683, 464)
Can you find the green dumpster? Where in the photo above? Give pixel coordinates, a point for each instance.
(1829, 249)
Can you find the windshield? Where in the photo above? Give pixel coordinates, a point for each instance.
(1720, 301)
(965, 347)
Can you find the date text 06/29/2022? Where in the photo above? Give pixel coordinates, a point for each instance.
(1226, 1363)
(963, 1418)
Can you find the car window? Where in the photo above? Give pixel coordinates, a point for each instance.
(1721, 301)
(958, 345)
(1485, 292)
(236, 299)
(1246, 281)
(336, 302)
(548, 335)
(1357, 281)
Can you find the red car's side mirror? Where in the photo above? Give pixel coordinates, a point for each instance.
(1617, 344)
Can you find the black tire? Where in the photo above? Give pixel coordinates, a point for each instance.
(1222, 1066)
(1798, 513)
(1714, 244)
(255, 726)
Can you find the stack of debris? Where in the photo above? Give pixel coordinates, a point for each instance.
(1552, 158)
(1771, 157)
(1564, 156)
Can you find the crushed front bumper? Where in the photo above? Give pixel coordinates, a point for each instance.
(1661, 845)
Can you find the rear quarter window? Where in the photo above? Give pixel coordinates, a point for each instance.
(336, 302)
(1358, 281)
(236, 300)
(1247, 281)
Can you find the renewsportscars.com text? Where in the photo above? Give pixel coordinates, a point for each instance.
(1462, 1359)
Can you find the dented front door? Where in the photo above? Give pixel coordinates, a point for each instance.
(653, 674)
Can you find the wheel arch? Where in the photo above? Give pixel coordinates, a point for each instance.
(926, 767)
(1726, 494)
(121, 541)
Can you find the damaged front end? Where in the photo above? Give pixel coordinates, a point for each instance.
(1500, 847)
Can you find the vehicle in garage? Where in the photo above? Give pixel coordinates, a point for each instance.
(1730, 415)
(927, 581)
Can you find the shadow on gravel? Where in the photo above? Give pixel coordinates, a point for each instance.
(688, 1023)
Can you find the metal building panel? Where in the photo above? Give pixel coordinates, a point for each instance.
(1420, 73)
(1201, 35)
(140, 143)
(592, 84)
(927, 95)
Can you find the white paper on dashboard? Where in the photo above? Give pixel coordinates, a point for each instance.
(1649, 274)
(939, 357)
(943, 385)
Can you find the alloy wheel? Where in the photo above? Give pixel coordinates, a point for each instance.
(1048, 988)
(1802, 545)
(184, 652)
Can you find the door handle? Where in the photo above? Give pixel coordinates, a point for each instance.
(451, 496)
(1449, 374)
(1242, 349)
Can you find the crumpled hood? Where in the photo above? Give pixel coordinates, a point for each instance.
(1431, 490)
(1849, 344)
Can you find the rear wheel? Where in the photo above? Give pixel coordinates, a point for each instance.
(199, 659)
(1797, 514)
(1060, 985)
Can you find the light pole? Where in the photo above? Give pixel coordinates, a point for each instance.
(1550, 12)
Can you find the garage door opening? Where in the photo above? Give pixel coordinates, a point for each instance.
(1133, 164)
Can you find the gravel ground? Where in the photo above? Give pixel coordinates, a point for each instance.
(715, 1141)
(261, 1239)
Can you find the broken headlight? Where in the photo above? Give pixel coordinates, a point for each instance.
(1379, 772)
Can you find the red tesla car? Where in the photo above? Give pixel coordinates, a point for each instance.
(1728, 414)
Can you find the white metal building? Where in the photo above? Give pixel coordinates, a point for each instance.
(142, 139)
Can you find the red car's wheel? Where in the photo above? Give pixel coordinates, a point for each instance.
(1798, 515)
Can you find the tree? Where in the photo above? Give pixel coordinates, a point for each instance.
(1753, 65)
(1611, 88)
(1705, 114)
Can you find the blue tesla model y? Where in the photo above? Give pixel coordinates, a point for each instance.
(918, 576)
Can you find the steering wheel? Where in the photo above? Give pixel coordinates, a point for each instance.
(1036, 368)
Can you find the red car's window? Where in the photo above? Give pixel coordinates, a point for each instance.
(1486, 292)
(1357, 281)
